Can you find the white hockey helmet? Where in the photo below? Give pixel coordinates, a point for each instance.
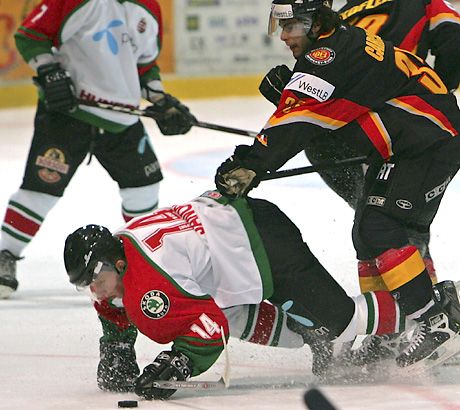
(301, 10)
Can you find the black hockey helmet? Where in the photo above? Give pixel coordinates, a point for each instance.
(88, 249)
(301, 10)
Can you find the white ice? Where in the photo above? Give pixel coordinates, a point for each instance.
(49, 332)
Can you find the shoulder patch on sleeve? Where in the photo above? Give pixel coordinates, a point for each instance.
(321, 56)
(311, 85)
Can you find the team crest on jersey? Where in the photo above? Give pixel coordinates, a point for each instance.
(155, 304)
(142, 25)
(321, 56)
(52, 165)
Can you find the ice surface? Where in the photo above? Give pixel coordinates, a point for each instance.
(49, 332)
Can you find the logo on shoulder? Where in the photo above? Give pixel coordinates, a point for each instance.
(155, 304)
(321, 56)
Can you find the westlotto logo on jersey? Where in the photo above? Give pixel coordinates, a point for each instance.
(311, 85)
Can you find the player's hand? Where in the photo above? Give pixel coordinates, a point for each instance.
(57, 87)
(117, 370)
(167, 366)
(274, 82)
(236, 177)
(172, 117)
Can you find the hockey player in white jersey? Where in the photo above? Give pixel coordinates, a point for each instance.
(195, 273)
(99, 51)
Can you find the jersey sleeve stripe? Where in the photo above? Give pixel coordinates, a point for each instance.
(417, 106)
(375, 130)
(332, 114)
(443, 18)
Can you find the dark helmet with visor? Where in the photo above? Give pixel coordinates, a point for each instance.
(87, 250)
(301, 10)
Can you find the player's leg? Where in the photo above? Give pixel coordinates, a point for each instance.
(318, 308)
(58, 147)
(131, 161)
(264, 324)
(380, 231)
(347, 182)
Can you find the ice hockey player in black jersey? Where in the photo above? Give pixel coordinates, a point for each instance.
(344, 77)
(417, 26)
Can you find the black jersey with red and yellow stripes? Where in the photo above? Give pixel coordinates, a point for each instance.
(414, 25)
(353, 77)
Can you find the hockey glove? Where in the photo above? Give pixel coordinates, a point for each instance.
(167, 366)
(236, 177)
(117, 370)
(172, 117)
(57, 87)
(274, 82)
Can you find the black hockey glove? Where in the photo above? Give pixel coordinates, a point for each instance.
(57, 87)
(172, 117)
(236, 177)
(167, 366)
(117, 370)
(274, 82)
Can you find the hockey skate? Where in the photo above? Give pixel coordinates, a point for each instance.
(436, 337)
(322, 354)
(320, 345)
(373, 349)
(8, 281)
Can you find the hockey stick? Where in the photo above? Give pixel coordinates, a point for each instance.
(315, 400)
(146, 113)
(313, 168)
(222, 383)
(198, 385)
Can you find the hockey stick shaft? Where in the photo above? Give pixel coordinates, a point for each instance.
(145, 113)
(314, 168)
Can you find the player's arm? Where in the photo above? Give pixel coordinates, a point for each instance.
(444, 39)
(172, 117)
(117, 369)
(37, 35)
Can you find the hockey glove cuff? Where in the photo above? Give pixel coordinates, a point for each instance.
(168, 365)
(117, 370)
(274, 82)
(57, 87)
(237, 176)
(172, 117)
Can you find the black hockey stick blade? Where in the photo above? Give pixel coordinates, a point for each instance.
(314, 168)
(315, 400)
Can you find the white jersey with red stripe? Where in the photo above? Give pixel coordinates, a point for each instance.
(207, 248)
(105, 45)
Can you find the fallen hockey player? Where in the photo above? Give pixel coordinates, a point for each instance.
(195, 274)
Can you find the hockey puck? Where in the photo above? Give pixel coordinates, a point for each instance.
(127, 403)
